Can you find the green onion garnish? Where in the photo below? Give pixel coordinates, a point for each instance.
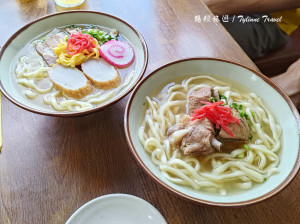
(246, 147)
(251, 137)
(242, 156)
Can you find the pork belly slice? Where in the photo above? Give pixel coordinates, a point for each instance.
(46, 48)
(70, 81)
(195, 137)
(102, 74)
(241, 131)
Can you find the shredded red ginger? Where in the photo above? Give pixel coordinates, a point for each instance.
(217, 114)
(79, 42)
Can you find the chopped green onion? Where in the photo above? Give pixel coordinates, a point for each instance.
(222, 97)
(235, 106)
(249, 123)
(242, 156)
(253, 114)
(212, 99)
(251, 137)
(101, 36)
(246, 147)
(243, 114)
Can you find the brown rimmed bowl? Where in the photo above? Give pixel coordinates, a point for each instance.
(49, 22)
(276, 100)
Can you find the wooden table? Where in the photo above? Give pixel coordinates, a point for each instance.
(49, 167)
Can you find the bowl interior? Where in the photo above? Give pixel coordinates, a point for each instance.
(229, 72)
(62, 19)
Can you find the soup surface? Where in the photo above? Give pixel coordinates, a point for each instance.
(211, 135)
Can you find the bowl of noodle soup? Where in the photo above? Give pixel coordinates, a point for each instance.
(26, 62)
(241, 173)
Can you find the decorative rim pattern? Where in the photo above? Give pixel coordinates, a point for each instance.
(279, 188)
(72, 114)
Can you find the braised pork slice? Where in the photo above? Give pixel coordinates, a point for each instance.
(195, 137)
(241, 131)
(196, 96)
(198, 139)
(46, 48)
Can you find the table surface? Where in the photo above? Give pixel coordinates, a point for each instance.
(49, 166)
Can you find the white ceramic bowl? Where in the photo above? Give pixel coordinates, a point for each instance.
(44, 24)
(117, 208)
(277, 101)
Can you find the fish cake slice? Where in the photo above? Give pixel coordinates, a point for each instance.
(102, 74)
(70, 81)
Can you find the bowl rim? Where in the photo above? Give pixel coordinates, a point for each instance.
(74, 114)
(276, 190)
